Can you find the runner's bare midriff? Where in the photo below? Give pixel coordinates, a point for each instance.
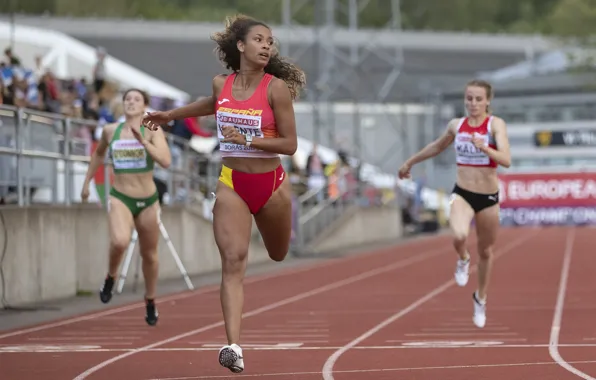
(478, 180)
(135, 185)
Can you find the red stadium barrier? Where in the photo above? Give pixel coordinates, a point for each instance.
(548, 198)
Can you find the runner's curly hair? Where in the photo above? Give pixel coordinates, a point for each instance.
(236, 29)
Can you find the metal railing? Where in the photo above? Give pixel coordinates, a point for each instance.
(42, 153)
(318, 210)
(39, 152)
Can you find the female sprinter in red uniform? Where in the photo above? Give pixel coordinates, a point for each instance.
(481, 144)
(255, 120)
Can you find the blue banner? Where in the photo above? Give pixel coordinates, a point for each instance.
(541, 216)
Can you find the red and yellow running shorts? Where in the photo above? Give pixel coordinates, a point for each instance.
(254, 188)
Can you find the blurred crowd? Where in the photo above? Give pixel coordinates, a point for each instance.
(333, 179)
(38, 88)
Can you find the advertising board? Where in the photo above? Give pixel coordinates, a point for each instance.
(548, 198)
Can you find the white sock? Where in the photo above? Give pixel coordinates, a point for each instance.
(482, 301)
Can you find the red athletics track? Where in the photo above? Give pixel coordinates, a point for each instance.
(390, 314)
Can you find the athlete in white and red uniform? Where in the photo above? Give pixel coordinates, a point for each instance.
(467, 154)
(481, 144)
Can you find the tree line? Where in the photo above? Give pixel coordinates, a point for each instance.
(550, 17)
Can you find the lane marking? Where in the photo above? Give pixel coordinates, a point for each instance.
(380, 370)
(467, 323)
(211, 347)
(31, 348)
(286, 301)
(330, 362)
(273, 336)
(309, 323)
(212, 288)
(88, 338)
(284, 331)
(500, 339)
(453, 343)
(262, 341)
(458, 330)
(477, 333)
(553, 347)
(262, 346)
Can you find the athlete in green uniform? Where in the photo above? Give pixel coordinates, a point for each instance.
(133, 201)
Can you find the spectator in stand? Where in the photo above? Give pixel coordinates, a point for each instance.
(108, 112)
(315, 173)
(83, 90)
(39, 69)
(1, 91)
(20, 83)
(7, 97)
(11, 59)
(7, 79)
(99, 71)
(70, 104)
(345, 175)
(25, 90)
(50, 92)
(16, 81)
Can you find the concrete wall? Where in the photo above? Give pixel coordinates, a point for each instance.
(53, 252)
(361, 227)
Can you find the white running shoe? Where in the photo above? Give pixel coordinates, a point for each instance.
(462, 271)
(479, 311)
(231, 358)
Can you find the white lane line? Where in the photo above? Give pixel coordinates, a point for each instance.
(335, 285)
(328, 366)
(553, 347)
(275, 346)
(379, 370)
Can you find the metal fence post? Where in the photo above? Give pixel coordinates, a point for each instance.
(299, 230)
(19, 145)
(67, 163)
(186, 164)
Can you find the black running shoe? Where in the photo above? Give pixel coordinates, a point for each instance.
(152, 315)
(105, 293)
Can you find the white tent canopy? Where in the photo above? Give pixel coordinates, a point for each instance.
(70, 58)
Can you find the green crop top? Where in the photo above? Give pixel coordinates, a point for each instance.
(129, 156)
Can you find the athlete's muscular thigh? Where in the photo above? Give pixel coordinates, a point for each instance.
(147, 226)
(232, 225)
(274, 222)
(120, 224)
(487, 227)
(460, 217)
